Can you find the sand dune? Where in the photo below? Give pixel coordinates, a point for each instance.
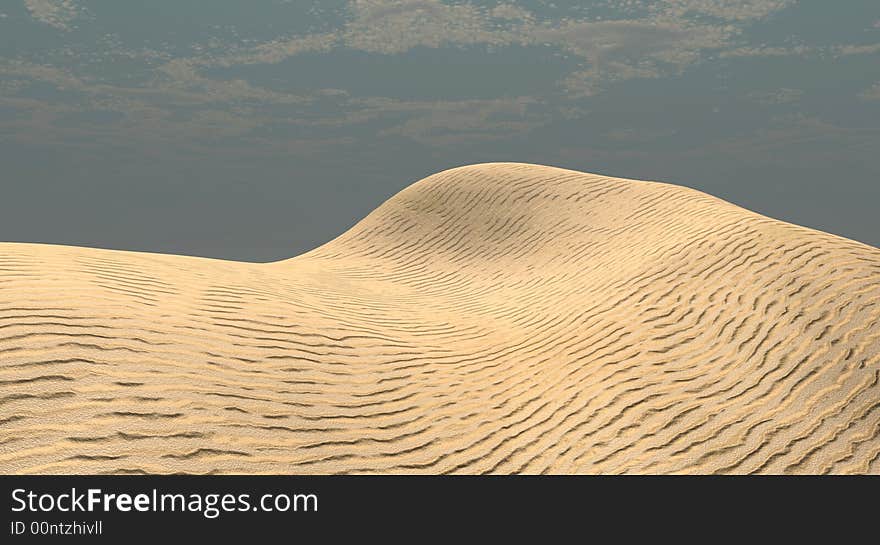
(493, 318)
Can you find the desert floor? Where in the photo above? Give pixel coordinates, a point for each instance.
(494, 318)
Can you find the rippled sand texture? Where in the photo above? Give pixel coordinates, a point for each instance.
(494, 318)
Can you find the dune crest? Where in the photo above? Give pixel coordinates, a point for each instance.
(496, 318)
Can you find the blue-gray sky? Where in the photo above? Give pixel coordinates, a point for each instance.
(257, 130)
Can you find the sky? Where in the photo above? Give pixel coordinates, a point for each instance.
(258, 130)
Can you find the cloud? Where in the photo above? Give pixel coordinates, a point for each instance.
(178, 108)
(774, 97)
(458, 122)
(841, 50)
(795, 139)
(872, 93)
(182, 77)
(864, 49)
(656, 38)
(812, 137)
(57, 13)
(511, 12)
(610, 50)
(627, 38)
(272, 52)
(629, 49)
(767, 51)
(395, 26)
(638, 40)
(741, 10)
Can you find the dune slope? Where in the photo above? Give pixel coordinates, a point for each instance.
(494, 318)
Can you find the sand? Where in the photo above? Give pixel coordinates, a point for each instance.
(499, 318)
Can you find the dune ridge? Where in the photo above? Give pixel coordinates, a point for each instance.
(500, 318)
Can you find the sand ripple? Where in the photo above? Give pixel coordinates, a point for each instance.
(496, 318)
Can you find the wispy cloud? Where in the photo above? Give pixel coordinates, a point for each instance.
(181, 95)
(864, 49)
(742, 10)
(660, 41)
(801, 50)
(767, 51)
(795, 139)
(57, 13)
(872, 93)
(628, 49)
(396, 26)
(462, 121)
(775, 97)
